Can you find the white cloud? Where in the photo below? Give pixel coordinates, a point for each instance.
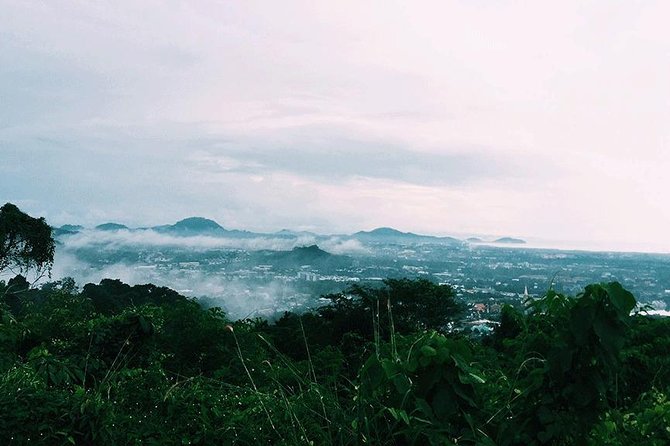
(238, 298)
(143, 238)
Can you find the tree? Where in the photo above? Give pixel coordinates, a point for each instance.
(25, 242)
(411, 304)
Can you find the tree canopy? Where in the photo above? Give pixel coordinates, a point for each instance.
(119, 364)
(26, 243)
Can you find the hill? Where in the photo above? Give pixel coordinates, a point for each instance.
(203, 226)
(192, 226)
(390, 235)
(196, 224)
(510, 240)
(302, 255)
(71, 228)
(111, 227)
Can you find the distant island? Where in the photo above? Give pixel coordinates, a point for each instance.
(390, 235)
(502, 240)
(510, 240)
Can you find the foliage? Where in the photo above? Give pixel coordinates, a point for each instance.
(25, 242)
(646, 423)
(646, 357)
(115, 364)
(425, 393)
(568, 359)
(402, 305)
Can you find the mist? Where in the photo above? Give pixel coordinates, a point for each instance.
(139, 238)
(239, 297)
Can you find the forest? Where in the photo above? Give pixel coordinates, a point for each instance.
(115, 364)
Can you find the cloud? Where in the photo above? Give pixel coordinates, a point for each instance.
(323, 155)
(148, 238)
(338, 246)
(239, 298)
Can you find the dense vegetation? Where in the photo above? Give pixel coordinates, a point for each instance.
(113, 364)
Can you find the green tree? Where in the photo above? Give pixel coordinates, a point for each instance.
(25, 242)
(411, 305)
(566, 367)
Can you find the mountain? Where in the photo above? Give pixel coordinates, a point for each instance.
(474, 240)
(203, 226)
(196, 224)
(309, 253)
(510, 240)
(300, 256)
(390, 235)
(111, 227)
(66, 230)
(71, 228)
(59, 232)
(384, 232)
(192, 226)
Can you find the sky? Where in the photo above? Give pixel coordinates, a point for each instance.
(546, 120)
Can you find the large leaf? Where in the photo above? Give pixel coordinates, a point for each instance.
(623, 300)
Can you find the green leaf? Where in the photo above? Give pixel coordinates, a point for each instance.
(622, 299)
(372, 374)
(582, 318)
(424, 361)
(402, 384)
(391, 368)
(444, 403)
(442, 355)
(477, 378)
(427, 350)
(611, 336)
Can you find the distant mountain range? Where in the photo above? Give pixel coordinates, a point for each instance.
(502, 240)
(199, 226)
(390, 235)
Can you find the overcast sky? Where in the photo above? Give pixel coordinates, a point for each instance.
(546, 119)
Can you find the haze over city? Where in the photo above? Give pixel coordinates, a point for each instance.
(546, 120)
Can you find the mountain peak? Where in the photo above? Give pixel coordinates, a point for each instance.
(71, 228)
(384, 231)
(111, 227)
(197, 224)
(312, 250)
(510, 240)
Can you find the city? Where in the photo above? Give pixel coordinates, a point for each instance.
(250, 282)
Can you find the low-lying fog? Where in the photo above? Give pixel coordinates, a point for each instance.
(240, 298)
